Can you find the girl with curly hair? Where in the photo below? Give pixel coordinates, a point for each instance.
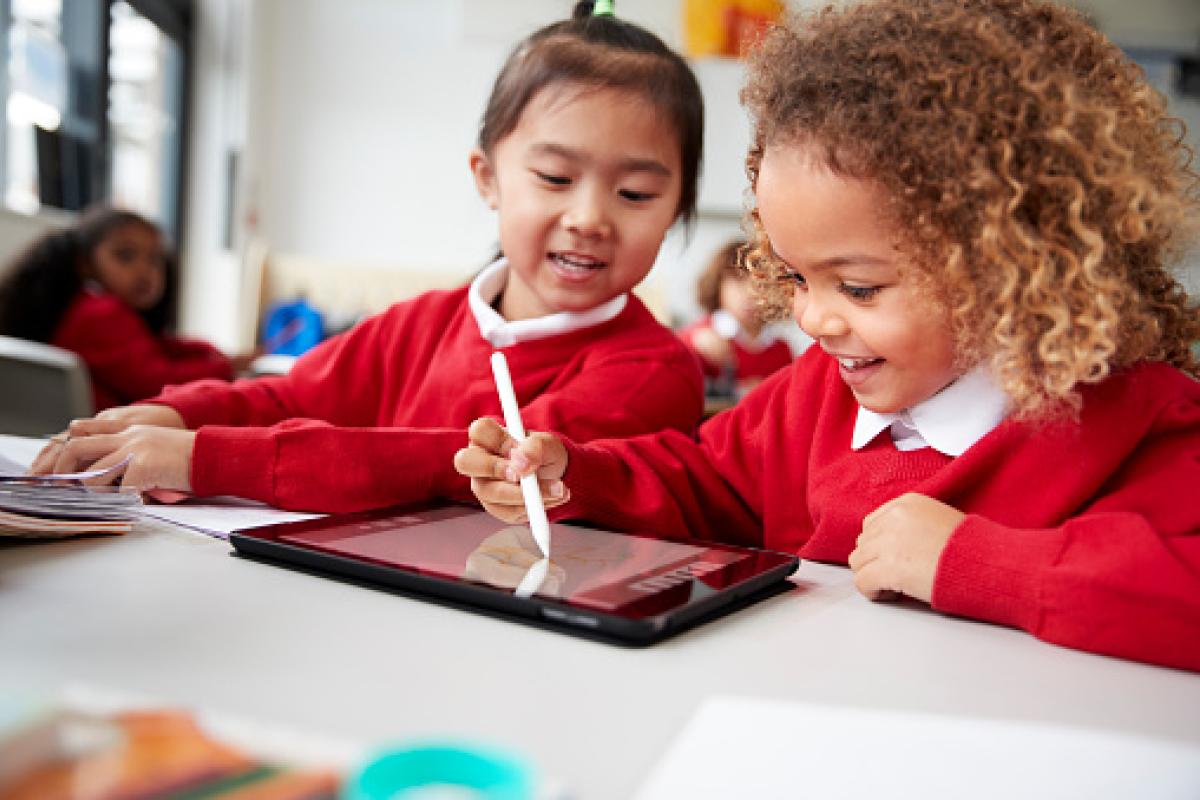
(103, 288)
(970, 205)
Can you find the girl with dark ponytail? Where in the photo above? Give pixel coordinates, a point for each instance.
(588, 151)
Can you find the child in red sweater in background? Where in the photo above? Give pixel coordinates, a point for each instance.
(735, 347)
(589, 149)
(1001, 417)
(103, 289)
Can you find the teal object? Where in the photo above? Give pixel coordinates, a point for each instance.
(495, 775)
(603, 8)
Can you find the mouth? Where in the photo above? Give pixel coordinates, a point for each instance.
(576, 265)
(850, 364)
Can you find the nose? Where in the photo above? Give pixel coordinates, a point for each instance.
(817, 316)
(587, 214)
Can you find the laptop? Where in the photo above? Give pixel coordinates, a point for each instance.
(631, 589)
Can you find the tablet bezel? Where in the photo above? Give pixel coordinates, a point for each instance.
(263, 544)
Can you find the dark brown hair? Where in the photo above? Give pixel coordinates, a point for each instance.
(40, 283)
(602, 51)
(1034, 180)
(725, 263)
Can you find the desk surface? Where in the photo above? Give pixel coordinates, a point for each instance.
(172, 614)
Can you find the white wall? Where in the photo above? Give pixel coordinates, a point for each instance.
(354, 119)
(17, 230)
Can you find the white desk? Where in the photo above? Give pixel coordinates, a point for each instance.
(172, 614)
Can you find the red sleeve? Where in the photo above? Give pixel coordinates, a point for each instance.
(125, 356)
(314, 465)
(347, 362)
(709, 487)
(1121, 578)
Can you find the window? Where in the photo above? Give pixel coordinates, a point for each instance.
(95, 96)
(145, 107)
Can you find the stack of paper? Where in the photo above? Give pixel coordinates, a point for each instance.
(52, 506)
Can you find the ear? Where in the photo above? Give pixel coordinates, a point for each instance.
(485, 178)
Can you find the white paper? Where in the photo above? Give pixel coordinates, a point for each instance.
(18, 452)
(220, 516)
(751, 747)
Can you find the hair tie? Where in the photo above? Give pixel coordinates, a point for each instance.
(603, 8)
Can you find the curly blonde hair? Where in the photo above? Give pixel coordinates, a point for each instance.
(1033, 178)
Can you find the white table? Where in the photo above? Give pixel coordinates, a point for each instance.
(172, 614)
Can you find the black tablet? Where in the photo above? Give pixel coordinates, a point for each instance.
(625, 588)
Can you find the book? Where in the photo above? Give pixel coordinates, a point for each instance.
(54, 506)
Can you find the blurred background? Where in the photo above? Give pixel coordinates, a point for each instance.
(318, 148)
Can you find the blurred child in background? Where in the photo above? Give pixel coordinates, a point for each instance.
(735, 347)
(104, 289)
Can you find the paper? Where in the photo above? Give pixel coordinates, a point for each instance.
(750, 747)
(220, 516)
(18, 474)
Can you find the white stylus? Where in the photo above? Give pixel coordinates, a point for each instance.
(538, 524)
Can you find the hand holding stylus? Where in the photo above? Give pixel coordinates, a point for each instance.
(531, 495)
(495, 462)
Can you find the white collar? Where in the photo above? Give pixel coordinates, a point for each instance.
(950, 422)
(727, 327)
(500, 332)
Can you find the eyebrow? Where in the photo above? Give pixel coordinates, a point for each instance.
(652, 165)
(853, 258)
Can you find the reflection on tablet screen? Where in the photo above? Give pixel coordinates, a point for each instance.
(594, 569)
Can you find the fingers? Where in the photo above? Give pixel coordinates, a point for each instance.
(111, 460)
(95, 425)
(504, 500)
(487, 433)
(872, 580)
(43, 463)
(476, 462)
(544, 452)
(76, 454)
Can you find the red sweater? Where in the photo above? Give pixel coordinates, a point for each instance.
(1083, 533)
(748, 364)
(125, 359)
(373, 417)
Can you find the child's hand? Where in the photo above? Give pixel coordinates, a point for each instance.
(900, 545)
(159, 458)
(495, 466)
(112, 420)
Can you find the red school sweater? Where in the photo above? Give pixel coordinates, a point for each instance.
(126, 360)
(749, 364)
(373, 417)
(1085, 533)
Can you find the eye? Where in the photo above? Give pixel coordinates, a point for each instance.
(860, 292)
(637, 197)
(553, 180)
(792, 278)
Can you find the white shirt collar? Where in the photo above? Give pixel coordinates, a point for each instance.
(500, 332)
(727, 327)
(950, 422)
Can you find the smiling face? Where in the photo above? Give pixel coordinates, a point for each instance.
(129, 263)
(586, 186)
(894, 346)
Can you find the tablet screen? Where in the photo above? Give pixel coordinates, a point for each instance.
(629, 575)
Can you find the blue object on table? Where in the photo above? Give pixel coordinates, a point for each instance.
(495, 775)
(292, 328)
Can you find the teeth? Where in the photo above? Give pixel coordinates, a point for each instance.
(855, 363)
(578, 262)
